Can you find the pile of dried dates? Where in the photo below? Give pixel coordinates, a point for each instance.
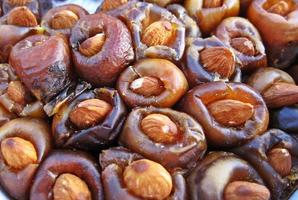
(149, 100)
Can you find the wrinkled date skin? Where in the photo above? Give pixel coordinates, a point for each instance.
(60, 162)
(138, 16)
(67, 95)
(194, 69)
(189, 146)
(18, 182)
(116, 53)
(113, 162)
(255, 153)
(236, 27)
(171, 77)
(196, 103)
(15, 98)
(11, 35)
(209, 18)
(95, 137)
(192, 29)
(43, 65)
(285, 118)
(281, 51)
(33, 5)
(210, 177)
(46, 19)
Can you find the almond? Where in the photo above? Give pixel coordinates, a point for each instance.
(243, 45)
(242, 190)
(231, 113)
(112, 4)
(92, 45)
(148, 180)
(17, 92)
(19, 2)
(281, 8)
(157, 33)
(220, 60)
(21, 16)
(18, 153)
(212, 3)
(281, 160)
(64, 19)
(89, 112)
(147, 86)
(70, 187)
(160, 128)
(281, 94)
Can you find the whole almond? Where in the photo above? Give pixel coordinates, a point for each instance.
(160, 128)
(281, 8)
(70, 187)
(112, 4)
(157, 33)
(231, 113)
(21, 16)
(219, 60)
(19, 2)
(92, 45)
(64, 19)
(148, 180)
(18, 153)
(281, 94)
(89, 112)
(212, 3)
(147, 86)
(281, 160)
(243, 45)
(242, 190)
(17, 92)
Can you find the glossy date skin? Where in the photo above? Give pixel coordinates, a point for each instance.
(113, 162)
(256, 153)
(194, 69)
(196, 102)
(93, 138)
(104, 67)
(43, 65)
(209, 18)
(18, 182)
(189, 146)
(60, 162)
(210, 177)
(281, 51)
(236, 27)
(170, 76)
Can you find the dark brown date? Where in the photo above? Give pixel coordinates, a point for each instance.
(25, 142)
(275, 156)
(42, 64)
(91, 121)
(230, 113)
(166, 136)
(67, 174)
